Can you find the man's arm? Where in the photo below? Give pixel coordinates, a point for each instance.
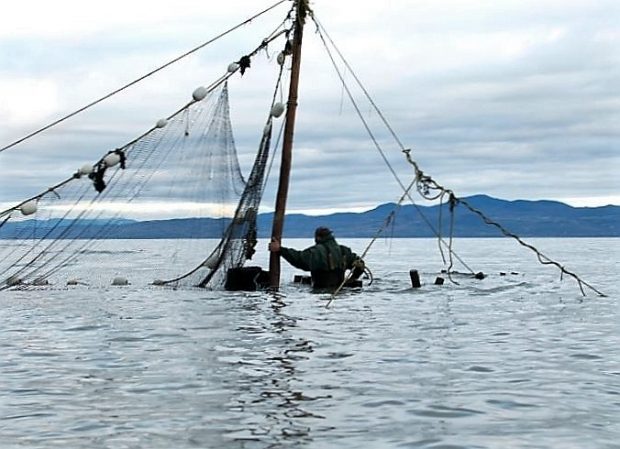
(298, 259)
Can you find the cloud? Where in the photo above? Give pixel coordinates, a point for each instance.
(515, 99)
(27, 101)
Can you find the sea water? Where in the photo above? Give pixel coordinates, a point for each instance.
(518, 360)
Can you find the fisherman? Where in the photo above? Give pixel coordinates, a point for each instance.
(326, 260)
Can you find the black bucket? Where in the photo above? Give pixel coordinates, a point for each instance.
(247, 279)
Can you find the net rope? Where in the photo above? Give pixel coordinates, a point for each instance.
(188, 162)
(426, 186)
(141, 78)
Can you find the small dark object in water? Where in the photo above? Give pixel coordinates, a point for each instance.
(301, 279)
(248, 279)
(439, 280)
(13, 281)
(353, 283)
(502, 273)
(479, 275)
(415, 278)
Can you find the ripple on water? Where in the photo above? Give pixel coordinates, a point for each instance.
(442, 411)
(384, 403)
(509, 404)
(480, 369)
(586, 356)
(513, 366)
(126, 338)
(86, 328)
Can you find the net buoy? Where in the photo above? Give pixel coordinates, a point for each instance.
(28, 208)
(200, 93)
(86, 169)
(162, 122)
(277, 110)
(233, 67)
(119, 280)
(13, 280)
(112, 159)
(281, 58)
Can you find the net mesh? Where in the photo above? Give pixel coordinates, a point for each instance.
(185, 166)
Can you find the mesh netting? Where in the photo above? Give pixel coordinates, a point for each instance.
(186, 165)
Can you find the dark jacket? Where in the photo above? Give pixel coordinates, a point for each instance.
(326, 261)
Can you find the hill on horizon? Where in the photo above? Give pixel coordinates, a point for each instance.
(542, 218)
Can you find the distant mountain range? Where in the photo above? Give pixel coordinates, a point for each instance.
(523, 218)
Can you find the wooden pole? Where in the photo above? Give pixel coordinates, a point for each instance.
(287, 144)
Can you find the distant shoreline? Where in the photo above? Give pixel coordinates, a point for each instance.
(531, 219)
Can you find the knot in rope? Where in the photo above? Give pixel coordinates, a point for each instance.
(122, 155)
(244, 63)
(453, 201)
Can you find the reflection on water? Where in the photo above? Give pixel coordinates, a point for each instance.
(269, 395)
(511, 361)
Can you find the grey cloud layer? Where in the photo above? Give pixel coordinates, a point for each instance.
(533, 117)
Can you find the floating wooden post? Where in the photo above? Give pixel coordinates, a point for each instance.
(415, 278)
(287, 144)
(439, 280)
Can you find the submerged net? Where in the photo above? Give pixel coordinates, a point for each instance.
(186, 165)
(239, 239)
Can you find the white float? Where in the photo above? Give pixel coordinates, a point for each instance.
(112, 159)
(233, 67)
(277, 110)
(200, 93)
(28, 208)
(86, 169)
(161, 123)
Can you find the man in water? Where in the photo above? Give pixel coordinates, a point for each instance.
(326, 260)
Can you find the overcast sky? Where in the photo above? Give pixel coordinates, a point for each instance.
(516, 99)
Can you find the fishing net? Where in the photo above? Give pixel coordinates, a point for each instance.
(185, 165)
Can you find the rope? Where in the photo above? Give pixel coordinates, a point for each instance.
(60, 260)
(427, 184)
(5, 220)
(424, 183)
(127, 147)
(386, 224)
(320, 30)
(143, 77)
(542, 258)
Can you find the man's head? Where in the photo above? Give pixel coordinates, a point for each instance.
(321, 233)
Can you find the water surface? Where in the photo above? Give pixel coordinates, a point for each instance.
(518, 360)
